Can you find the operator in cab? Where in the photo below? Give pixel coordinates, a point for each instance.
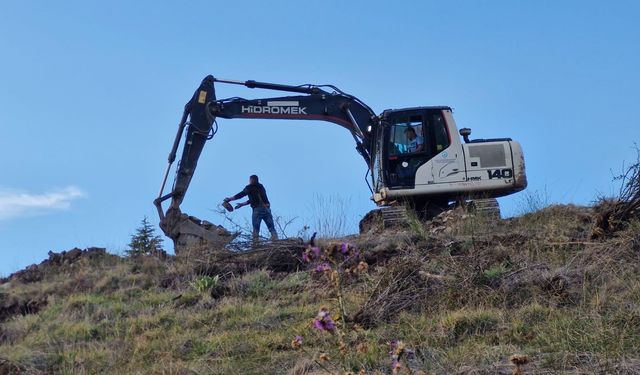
(415, 143)
(259, 203)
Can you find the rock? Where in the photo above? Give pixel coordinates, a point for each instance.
(31, 274)
(95, 252)
(54, 258)
(71, 256)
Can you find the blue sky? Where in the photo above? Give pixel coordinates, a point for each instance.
(91, 93)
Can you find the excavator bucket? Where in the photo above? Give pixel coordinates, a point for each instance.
(189, 231)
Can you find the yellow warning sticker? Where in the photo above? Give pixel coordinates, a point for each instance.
(202, 97)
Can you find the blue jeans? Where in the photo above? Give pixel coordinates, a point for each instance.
(260, 214)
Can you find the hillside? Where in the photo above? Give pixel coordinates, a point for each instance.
(461, 294)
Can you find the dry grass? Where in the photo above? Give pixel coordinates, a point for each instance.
(466, 299)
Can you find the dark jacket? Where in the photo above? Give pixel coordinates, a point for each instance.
(256, 193)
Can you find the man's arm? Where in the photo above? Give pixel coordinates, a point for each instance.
(240, 205)
(237, 196)
(420, 144)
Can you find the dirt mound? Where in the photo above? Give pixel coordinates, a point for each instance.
(36, 272)
(33, 301)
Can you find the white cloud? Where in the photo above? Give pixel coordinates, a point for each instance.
(15, 203)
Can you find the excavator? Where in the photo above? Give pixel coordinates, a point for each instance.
(414, 156)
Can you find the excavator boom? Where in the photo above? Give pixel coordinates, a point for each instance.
(198, 119)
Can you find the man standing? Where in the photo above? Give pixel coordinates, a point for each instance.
(261, 207)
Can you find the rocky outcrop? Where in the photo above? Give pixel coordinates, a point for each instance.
(36, 272)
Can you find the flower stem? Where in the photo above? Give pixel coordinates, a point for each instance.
(343, 309)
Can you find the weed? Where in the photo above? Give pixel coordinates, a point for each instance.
(491, 276)
(203, 284)
(416, 226)
(533, 201)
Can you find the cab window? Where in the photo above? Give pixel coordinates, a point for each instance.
(407, 136)
(440, 135)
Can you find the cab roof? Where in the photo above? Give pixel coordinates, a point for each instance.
(436, 107)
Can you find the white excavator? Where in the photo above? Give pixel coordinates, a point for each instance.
(414, 156)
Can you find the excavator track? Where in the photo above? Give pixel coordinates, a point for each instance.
(379, 219)
(394, 216)
(489, 208)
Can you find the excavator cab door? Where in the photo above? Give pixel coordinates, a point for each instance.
(406, 149)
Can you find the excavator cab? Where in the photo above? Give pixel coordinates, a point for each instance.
(421, 159)
(412, 138)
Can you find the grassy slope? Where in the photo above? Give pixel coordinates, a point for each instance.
(462, 299)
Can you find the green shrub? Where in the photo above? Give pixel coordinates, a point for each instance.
(205, 283)
(492, 275)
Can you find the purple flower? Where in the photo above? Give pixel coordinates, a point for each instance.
(317, 324)
(324, 324)
(323, 267)
(329, 324)
(344, 248)
(316, 251)
(323, 321)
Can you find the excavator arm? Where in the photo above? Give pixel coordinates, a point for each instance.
(336, 106)
(313, 102)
